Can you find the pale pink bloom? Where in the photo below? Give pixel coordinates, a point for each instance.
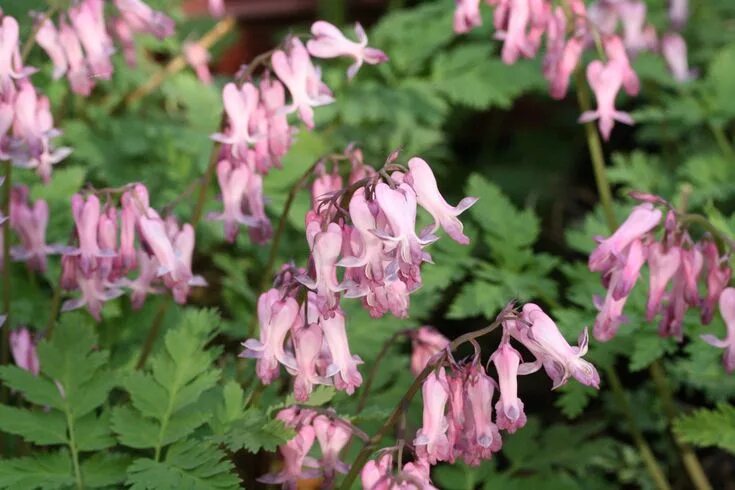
(663, 264)
(628, 276)
(124, 35)
(80, 78)
(431, 440)
(29, 222)
(217, 8)
(425, 343)
(611, 316)
(48, 38)
(329, 42)
(538, 332)
(181, 278)
(240, 104)
(540, 16)
(234, 182)
(344, 364)
(142, 18)
(466, 15)
(727, 310)
(377, 474)
(610, 251)
(482, 434)
(276, 316)
(615, 51)
(423, 182)
(198, 57)
(89, 24)
(86, 217)
(24, 352)
(368, 249)
(142, 285)
(11, 65)
(307, 346)
(604, 16)
(415, 476)
(672, 320)
(509, 408)
(324, 185)
(294, 454)
(718, 277)
(392, 296)
(606, 80)
(559, 74)
(333, 436)
(678, 13)
(636, 35)
(515, 36)
(107, 240)
(273, 99)
(325, 252)
(692, 262)
(303, 80)
(456, 412)
(93, 288)
(254, 206)
(128, 221)
(674, 51)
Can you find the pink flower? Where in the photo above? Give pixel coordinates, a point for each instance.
(198, 57)
(142, 286)
(466, 16)
(29, 222)
(329, 42)
(515, 37)
(538, 332)
(678, 13)
(560, 69)
(425, 343)
(304, 83)
(431, 440)
(234, 182)
(606, 80)
(324, 185)
(718, 277)
(615, 50)
(333, 436)
(634, 260)
(307, 345)
(481, 432)
(344, 364)
(24, 352)
(217, 8)
(604, 16)
(509, 409)
(276, 316)
(80, 78)
(181, 278)
(88, 20)
(377, 474)
(368, 247)
(610, 251)
(273, 99)
(48, 38)
(142, 18)
(423, 182)
(86, 217)
(727, 310)
(674, 50)
(11, 65)
(325, 252)
(611, 316)
(637, 36)
(94, 290)
(239, 106)
(124, 35)
(663, 265)
(294, 454)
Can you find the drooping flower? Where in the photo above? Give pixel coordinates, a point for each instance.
(606, 80)
(333, 436)
(346, 375)
(674, 51)
(482, 433)
(24, 352)
(431, 440)
(663, 264)
(509, 408)
(198, 57)
(727, 310)
(329, 42)
(425, 343)
(29, 222)
(307, 345)
(294, 454)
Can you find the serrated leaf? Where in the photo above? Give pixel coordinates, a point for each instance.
(188, 464)
(255, 431)
(648, 347)
(40, 471)
(478, 298)
(105, 469)
(37, 427)
(93, 433)
(709, 427)
(35, 389)
(133, 430)
(573, 398)
(320, 396)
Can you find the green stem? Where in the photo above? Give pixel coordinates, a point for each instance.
(691, 463)
(153, 332)
(73, 449)
(722, 142)
(368, 447)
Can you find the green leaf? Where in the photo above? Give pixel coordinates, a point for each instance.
(93, 433)
(320, 396)
(255, 431)
(42, 471)
(709, 427)
(188, 464)
(133, 430)
(37, 427)
(478, 298)
(574, 398)
(648, 346)
(35, 389)
(105, 470)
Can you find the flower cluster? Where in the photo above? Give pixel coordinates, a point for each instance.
(99, 265)
(674, 259)
(26, 124)
(571, 28)
(377, 475)
(258, 134)
(332, 434)
(82, 45)
(368, 229)
(458, 419)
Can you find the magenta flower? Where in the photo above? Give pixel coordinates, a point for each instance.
(425, 343)
(329, 42)
(611, 316)
(304, 83)
(422, 180)
(344, 364)
(181, 278)
(94, 291)
(466, 16)
(631, 268)
(24, 352)
(674, 51)
(727, 310)
(273, 99)
(509, 408)
(333, 436)
(606, 80)
(11, 65)
(276, 316)
(636, 34)
(431, 440)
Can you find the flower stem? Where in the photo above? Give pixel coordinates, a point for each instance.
(368, 447)
(691, 463)
(153, 332)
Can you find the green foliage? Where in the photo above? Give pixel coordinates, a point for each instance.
(707, 427)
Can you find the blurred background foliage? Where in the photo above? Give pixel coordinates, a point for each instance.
(488, 130)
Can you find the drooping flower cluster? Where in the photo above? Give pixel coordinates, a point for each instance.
(458, 419)
(677, 265)
(26, 124)
(98, 267)
(571, 28)
(29, 221)
(82, 45)
(368, 230)
(258, 133)
(378, 475)
(330, 432)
